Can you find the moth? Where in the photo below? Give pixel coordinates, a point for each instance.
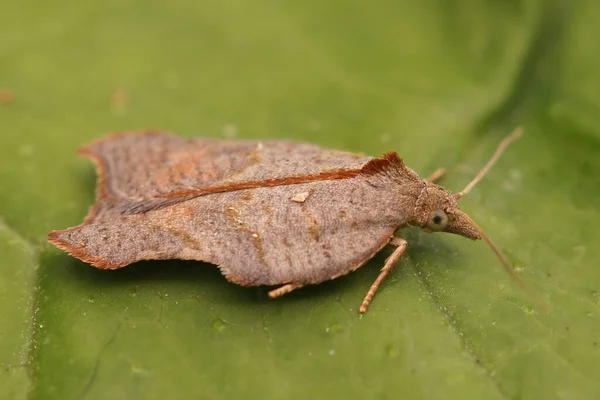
(272, 212)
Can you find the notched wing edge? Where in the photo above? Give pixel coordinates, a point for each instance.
(102, 189)
(102, 192)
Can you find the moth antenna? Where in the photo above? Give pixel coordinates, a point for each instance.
(499, 150)
(507, 267)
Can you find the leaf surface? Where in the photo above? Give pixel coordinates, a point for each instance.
(440, 82)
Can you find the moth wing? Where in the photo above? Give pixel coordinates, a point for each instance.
(264, 237)
(304, 233)
(339, 255)
(137, 168)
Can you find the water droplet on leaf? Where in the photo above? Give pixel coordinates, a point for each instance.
(218, 325)
(333, 328)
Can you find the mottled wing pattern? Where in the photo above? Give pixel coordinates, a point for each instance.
(258, 236)
(267, 238)
(298, 233)
(137, 166)
(136, 169)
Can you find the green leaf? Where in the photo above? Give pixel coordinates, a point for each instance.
(440, 82)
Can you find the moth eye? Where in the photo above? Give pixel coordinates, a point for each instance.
(438, 220)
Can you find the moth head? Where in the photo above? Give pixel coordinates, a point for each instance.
(440, 212)
(451, 221)
(440, 207)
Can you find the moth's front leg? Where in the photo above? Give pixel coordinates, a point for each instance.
(390, 263)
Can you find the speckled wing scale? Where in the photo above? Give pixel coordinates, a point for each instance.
(266, 212)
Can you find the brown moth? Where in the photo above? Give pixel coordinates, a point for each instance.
(273, 212)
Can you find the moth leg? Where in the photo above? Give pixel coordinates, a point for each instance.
(390, 263)
(285, 289)
(436, 175)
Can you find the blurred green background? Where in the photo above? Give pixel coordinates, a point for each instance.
(439, 81)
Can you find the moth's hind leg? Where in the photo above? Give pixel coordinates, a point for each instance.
(390, 263)
(285, 289)
(437, 174)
